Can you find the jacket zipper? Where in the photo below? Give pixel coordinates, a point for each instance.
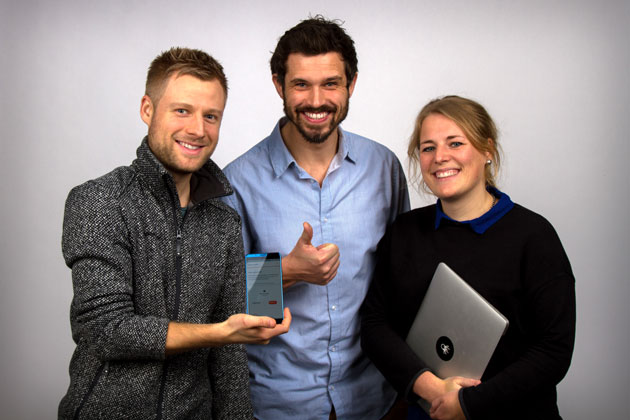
(102, 369)
(178, 288)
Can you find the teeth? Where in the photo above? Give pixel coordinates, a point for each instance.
(188, 146)
(316, 116)
(444, 174)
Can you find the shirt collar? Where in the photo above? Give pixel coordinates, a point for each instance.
(503, 205)
(281, 158)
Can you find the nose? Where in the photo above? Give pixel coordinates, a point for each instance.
(316, 97)
(442, 154)
(195, 126)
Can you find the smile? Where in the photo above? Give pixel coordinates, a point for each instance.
(316, 116)
(446, 174)
(188, 146)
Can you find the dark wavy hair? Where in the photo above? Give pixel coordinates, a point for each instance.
(315, 36)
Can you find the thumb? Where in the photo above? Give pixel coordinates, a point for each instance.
(260, 322)
(307, 234)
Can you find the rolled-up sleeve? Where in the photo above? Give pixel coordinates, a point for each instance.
(96, 246)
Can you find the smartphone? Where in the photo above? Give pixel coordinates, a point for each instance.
(263, 275)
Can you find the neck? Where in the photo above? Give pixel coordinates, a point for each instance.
(470, 208)
(182, 184)
(314, 158)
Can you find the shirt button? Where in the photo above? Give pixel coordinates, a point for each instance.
(333, 348)
(334, 307)
(325, 220)
(332, 387)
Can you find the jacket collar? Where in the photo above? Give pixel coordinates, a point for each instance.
(208, 182)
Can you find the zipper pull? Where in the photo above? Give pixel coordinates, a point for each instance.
(178, 242)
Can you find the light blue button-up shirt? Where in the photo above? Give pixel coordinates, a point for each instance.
(319, 362)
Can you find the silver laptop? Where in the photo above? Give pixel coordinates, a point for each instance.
(456, 330)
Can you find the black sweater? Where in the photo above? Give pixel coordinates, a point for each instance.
(519, 266)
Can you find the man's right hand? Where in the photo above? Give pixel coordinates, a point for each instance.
(316, 265)
(238, 328)
(250, 329)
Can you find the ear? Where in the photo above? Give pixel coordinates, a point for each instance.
(491, 144)
(278, 85)
(351, 85)
(146, 110)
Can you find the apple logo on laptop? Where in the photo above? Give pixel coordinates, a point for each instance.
(444, 348)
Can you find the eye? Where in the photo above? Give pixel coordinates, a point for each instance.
(181, 111)
(456, 144)
(427, 149)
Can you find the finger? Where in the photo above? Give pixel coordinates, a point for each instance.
(287, 318)
(434, 407)
(307, 234)
(332, 272)
(329, 248)
(327, 254)
(466, 382)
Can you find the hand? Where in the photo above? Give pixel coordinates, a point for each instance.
(429, 387)
(316, 265)
(447, 407)
(239, 328)
(250, 329)
(454, 383)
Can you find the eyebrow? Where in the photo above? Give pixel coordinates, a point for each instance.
(176, 105)
(451, 137)
(329, 79)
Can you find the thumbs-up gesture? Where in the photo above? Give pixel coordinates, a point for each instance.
(317, 265)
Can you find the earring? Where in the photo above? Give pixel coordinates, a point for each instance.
(488, 162)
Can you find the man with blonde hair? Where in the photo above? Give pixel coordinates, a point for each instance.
(157, 266)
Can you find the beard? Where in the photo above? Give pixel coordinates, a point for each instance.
(338, 115)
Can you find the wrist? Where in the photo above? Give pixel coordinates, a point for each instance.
(428, 386)
(288, 272)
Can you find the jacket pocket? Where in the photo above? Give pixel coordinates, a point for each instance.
(102, 370)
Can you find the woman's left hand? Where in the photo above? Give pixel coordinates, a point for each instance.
(447, 407)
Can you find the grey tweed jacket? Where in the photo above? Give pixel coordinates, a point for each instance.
(137, 264)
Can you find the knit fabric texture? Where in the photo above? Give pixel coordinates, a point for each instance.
(121, 234)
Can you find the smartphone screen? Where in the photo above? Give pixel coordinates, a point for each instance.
(263, 273)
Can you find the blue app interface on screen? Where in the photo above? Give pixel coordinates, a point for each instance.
(264, 285)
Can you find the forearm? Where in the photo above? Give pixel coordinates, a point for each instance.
(120, 335)
(184, 336)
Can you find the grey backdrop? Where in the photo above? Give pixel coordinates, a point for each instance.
(553, 74)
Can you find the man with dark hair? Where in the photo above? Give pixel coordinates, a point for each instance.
(314, 181)
(157, 266)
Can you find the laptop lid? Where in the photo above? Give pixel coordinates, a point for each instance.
(455, 330)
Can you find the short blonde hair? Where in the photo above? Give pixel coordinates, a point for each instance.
(472, 119)
(182, 61)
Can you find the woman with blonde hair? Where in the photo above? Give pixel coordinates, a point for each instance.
(510, 255)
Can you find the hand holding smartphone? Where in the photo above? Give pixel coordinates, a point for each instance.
(263, 275)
